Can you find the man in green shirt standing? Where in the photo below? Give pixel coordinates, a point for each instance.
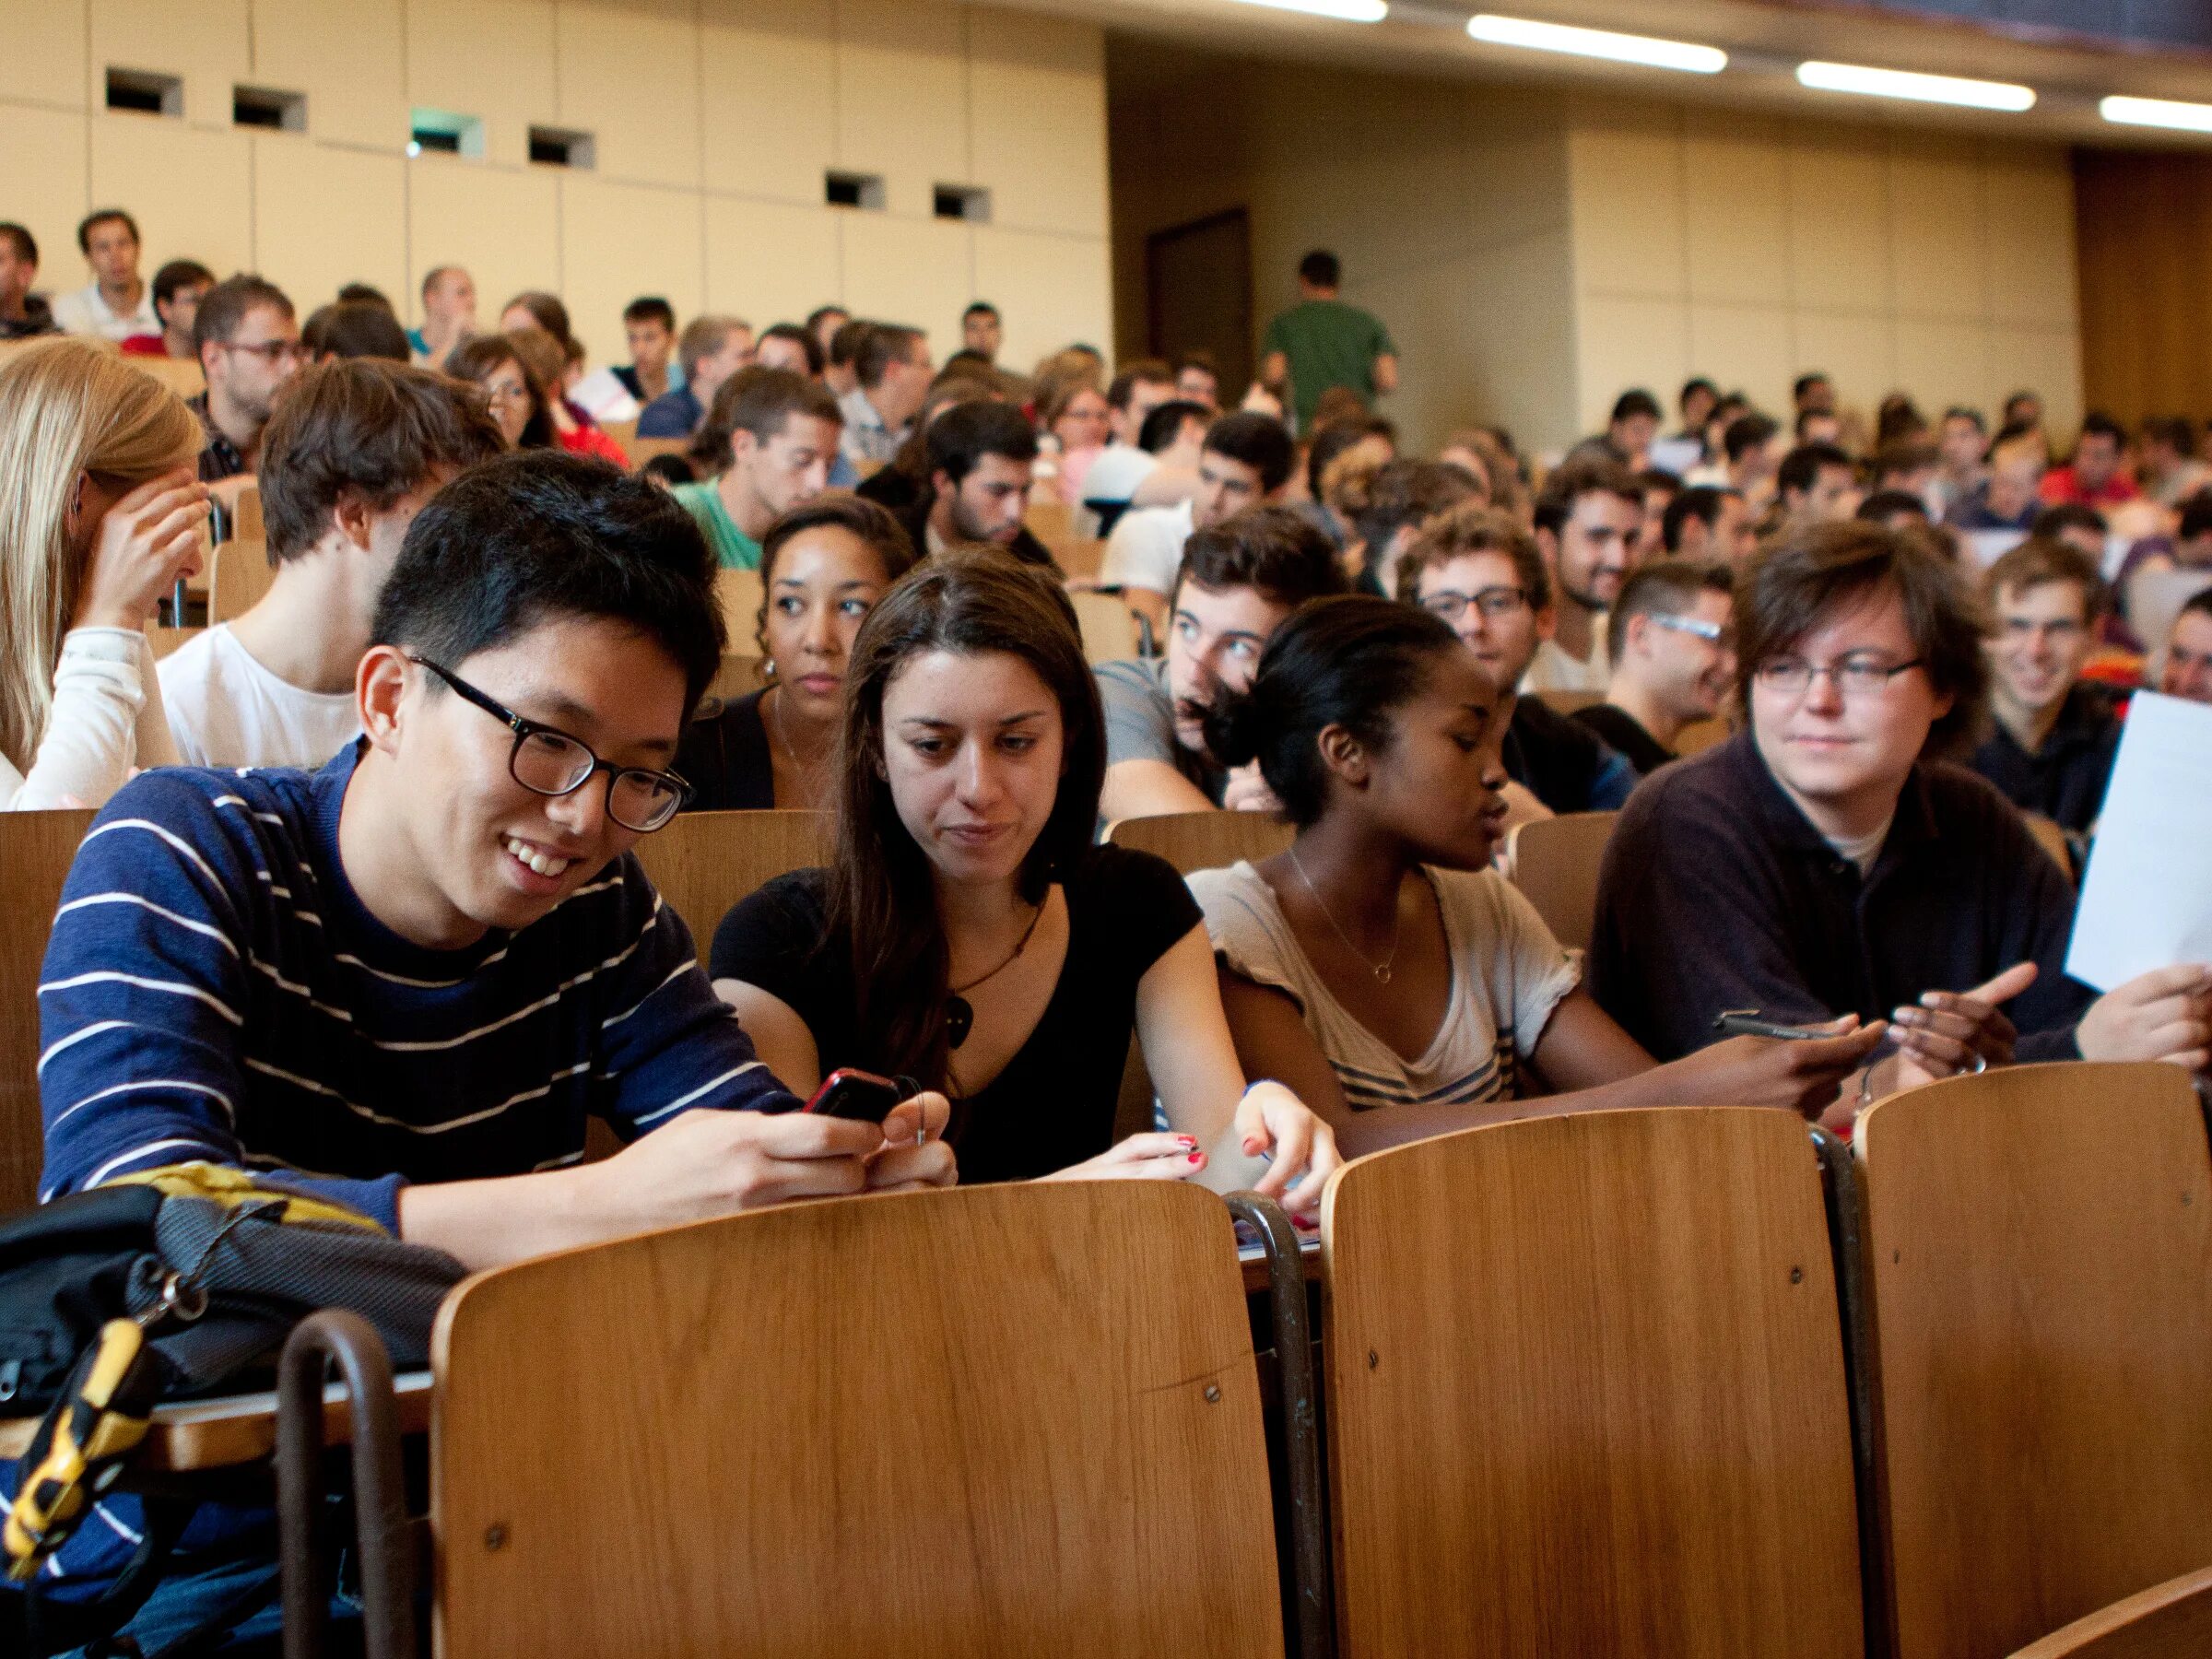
(779, 433)
(1321, 342)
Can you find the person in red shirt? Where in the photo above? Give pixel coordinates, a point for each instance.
(2097, 476)
(178, 288)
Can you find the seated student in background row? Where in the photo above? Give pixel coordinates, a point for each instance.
(1245, 462)
(105, 516)
(823, 567)
(2188, 667)
(1388, 504)
(405, 981)
(1480, 573)
(970, 934)
(1672, 642)
(1379, 967)
(353, 452)
(775, 435)
(1587, 521)
(979, 455)
(1238, 581)
(1823, 862)
(2052, 735)
(708, 353)
(1121, 469)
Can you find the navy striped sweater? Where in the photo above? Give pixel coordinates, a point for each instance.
(214, 989)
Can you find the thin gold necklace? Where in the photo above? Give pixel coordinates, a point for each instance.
(811, 777)
(1380, 969)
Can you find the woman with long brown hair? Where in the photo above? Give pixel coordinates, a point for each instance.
(100, 514)
(970, 937)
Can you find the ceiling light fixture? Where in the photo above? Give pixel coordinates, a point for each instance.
(2157, 113)
(1494, 30)
(1921, 88)
(1345, 11)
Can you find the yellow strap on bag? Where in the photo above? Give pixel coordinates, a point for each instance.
(219, 1183)
(80, 1446)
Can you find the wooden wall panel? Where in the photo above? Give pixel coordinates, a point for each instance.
(2143, 240)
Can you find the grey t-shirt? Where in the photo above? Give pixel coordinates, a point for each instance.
(1140, 722)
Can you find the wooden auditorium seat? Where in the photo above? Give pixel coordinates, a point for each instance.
(2172, 1621)
(1555, 862)
(36, 850)
(702, 863)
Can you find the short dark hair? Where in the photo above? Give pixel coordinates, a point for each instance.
(2198, 604)
(1883, 505)
(1164, 423)
(371, 428)
(1813, 570)
(1569, 482)
(1664, 587)
(178, 274)
(2069, 516)
(980, 308)
(224, 307)
(361, 328)
(2098, 424)
(1277, 550)
(366, 293)
(2197, 517)
(1802, 467)
(815, 317)
(883, 344)
(1408, 492)
(1972, 417)
(1322, 268)
(1462, 531)
(801, 337)
(1148, 372)
(760, 401)
(1746, 434)
(651, 307)
(1326, 443)
(964, 434)
(102, 215)
(1701, 501)
(1635, 401)
(1260, 441)
(1903, 455)
(847, 340)
(2043, 559)
(538, 536)
(1200, 359)
(2177, 432)
(1347, 661)
(26, 244)
(1696, 383)
(1805, 382)
(869, 521)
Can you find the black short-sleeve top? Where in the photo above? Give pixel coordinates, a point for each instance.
(724, 758)
(1053, 1104)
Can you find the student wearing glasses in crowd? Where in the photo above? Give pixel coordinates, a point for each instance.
(1673, 643)
(1379, 967)
(969, 934)
(823, 567)
(1825, 861)
(248, 342)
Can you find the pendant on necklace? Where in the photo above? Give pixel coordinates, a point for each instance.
(1383, 974)
(960, 1019)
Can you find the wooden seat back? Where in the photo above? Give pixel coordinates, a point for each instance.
(2052, 840)
(239, 573)
(1555, 862)
(247, 524)
(161, 639)
(36, 850)
(2172, 1621)
(702, 863)
(181, 375)
(2038, 1267)
(1204, 841)
(1586, 1393)
(739, 675)
(741, 595)
(1108, 626)
(996, 1420)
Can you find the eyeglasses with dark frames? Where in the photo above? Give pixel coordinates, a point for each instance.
(1492, 601)
(548, 761)
(1855, 676)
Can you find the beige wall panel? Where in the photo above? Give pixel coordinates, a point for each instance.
(204, 40)
(492, 59)
(1938, 254)
(1062, 286)
(1624, 341)
(348, 56)
(1839, 229)
(769, 117)
(903, 96)
(501, 224)
(1037, 100)
(1628, 213)
(50, 198)
(1519, 318)
(620, 241)
(2030, 217)
(188, 188)
(1944, 363)
(628, 75)
(1743, 347)
(768, 262)
(1737, 219)
(1857, 351)
(46, 57)
(325, 217)
(2044, 360)
(914, 270)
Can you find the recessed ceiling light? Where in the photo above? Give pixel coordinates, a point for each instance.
(1922, 89)
(1347, 11)
(1494, 30)
(2157, 113)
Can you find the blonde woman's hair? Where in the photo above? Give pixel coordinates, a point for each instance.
(68, 407)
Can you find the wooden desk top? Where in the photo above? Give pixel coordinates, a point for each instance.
(230, 1430)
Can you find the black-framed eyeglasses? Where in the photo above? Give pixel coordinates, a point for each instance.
(1492, 601)
(1855, 677)
(548, 761)
(271, 352)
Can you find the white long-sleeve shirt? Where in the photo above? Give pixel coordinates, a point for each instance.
(106, 720)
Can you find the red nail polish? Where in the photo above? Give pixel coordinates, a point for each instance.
(1188, 1140)
(1197, 1157)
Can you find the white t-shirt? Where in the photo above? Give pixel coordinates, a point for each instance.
(1551, 669)
(86, 312)
(225, 709)
(1145, 548)
(1508, 974)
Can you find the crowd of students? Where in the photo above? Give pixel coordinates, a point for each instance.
(381, 935)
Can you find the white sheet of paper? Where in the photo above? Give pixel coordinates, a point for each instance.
(2147, 899)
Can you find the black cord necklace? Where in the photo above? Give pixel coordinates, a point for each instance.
(959, 1015)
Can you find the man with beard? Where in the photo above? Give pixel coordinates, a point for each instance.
(980, 457)
(1587, 521)
(1673, 641)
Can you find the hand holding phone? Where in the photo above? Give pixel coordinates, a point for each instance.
(861, 1097)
